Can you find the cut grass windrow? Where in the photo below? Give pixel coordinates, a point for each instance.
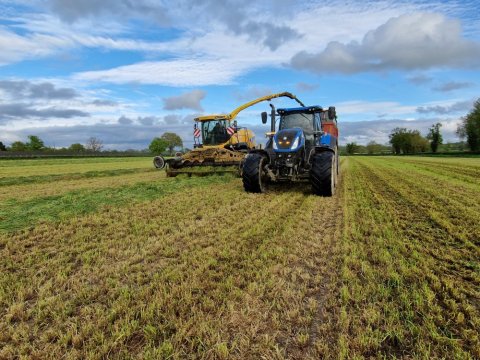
(16, 214)
(36, 179)
(29, 191)
(27, 168)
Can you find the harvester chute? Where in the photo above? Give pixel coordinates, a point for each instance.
(220, 144)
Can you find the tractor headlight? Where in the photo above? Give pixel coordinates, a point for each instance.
(275, 147)
(295, 143)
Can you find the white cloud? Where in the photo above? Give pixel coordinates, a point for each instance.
(378, 108)
(189, 100)
(453, 85)
(362, 132)
(446, 107)
(410, 41)
(181, 72)
(17, 48)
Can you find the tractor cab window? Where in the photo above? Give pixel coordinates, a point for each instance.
(299, 120)
(215, 132)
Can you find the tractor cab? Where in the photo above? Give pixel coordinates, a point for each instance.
(217, 131)
(296, 119)
(214, 132)
(300, 131)
(303, 147)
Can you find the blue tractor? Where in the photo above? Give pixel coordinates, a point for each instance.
(305, 148)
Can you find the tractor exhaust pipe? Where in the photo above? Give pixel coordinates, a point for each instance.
(272, 116)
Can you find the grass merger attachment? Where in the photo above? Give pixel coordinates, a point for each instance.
(220, 145)
(305, 147)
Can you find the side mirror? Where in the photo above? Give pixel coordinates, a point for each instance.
(264, 117)
(332, 113)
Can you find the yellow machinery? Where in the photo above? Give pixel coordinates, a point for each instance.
(218, 143)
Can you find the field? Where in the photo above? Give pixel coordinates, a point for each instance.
(108, 258)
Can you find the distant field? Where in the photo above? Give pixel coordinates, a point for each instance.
(108, 258)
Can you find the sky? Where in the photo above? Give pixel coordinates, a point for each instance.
(127, 71)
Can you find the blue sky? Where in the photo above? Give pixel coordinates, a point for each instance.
(127, 71)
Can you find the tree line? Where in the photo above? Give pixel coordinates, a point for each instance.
(406, 141)
(35, 144)
(159, 145)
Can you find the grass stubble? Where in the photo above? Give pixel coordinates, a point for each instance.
(411, 270)
(205, 272)
(389, 267)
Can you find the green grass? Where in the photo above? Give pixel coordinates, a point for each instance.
(195, 268)
(26, 168)
(410, 254)
(17, 214)
(19, 180)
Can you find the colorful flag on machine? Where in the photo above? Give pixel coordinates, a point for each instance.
(230, 130)
(196, 133)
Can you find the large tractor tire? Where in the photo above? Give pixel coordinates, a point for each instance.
(253, 176)
(323, 173)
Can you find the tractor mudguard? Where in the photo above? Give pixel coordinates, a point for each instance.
(320, 149)
(327, 141)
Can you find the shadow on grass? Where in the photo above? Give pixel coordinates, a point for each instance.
(301, 187)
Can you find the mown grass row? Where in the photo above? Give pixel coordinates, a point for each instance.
(37, 179)
(208, 272)
(37, 167)
(17, 213)
(6, 163)
(411, 274)
(58, 187)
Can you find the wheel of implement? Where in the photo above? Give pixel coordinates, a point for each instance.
(322, 174)
(158, 162)
(253, 175)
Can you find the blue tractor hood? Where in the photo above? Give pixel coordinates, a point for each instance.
(288, 140)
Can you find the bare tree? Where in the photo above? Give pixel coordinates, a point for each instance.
(94, 144)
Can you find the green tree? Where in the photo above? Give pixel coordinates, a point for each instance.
(34, 143)
(417, 143)
(2, 147)
(158, 146)
(76, 148)
(406, 141)
(470, 127)
(399, 139)
(435, 137)
(374, 148)
(173, 140)
(18, 146)
(351, 148)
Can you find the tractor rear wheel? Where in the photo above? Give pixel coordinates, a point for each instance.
(322, 173)
(253, 174)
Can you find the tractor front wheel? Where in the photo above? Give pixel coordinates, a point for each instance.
(323, 173)
(253, 174)
(159, 162)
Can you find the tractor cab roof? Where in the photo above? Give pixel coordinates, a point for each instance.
(303, 109)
